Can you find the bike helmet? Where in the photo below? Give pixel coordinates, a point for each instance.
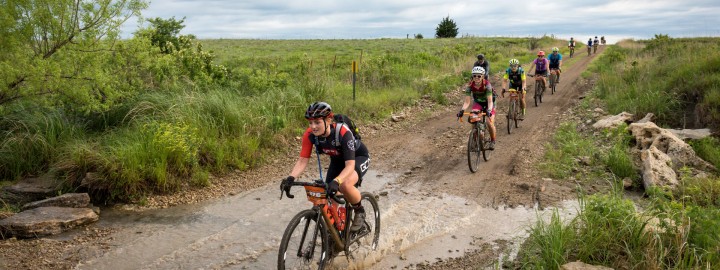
(541, 53)
(571, 38)
(514, 62)
(478, 70)
(555, 49)
(318, 110)
(481, 56)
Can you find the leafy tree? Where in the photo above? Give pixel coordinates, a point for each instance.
(446, 29)
(54, 50)
(165, 34)
(418, 36)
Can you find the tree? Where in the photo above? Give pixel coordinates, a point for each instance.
(165, 34)
(418, 36)
(55, 48)
(446, 29)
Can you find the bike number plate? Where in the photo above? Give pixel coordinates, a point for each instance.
(316, 195)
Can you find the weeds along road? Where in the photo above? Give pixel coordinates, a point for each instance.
(432, 207)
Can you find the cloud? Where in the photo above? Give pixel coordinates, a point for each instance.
(396, 18)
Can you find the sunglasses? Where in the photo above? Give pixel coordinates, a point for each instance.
(478, 76)
(513, 66)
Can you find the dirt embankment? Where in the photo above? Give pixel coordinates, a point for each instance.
(427, 146)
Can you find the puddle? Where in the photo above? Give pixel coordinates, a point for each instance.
(244, 231)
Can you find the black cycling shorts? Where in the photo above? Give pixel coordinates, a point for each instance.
(362, 163)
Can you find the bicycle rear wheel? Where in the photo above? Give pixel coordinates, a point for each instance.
(366, 239)
(473, 149)
(511, 116)
(305, 242)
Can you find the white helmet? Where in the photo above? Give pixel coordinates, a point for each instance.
(478, 70)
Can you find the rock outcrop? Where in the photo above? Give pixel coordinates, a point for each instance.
(74, 200)
(43, 221)
(613, 121)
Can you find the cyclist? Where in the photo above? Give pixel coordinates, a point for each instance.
(481, 62)
(541, 66)
(349, 158)
(515, 76)
(596, 42)
(480, 94)
(589, 45)
(602, 40)
(556, 62)
(571, 45)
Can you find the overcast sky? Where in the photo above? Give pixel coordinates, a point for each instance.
(345, 19)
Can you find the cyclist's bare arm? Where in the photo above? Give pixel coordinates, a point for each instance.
(466, 102)
(299, 167)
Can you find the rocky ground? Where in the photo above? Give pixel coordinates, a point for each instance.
(423, 143)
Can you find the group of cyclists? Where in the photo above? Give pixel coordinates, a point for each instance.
(592, 44)
(481, 95)
(349, 157)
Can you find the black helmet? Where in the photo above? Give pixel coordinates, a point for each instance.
(481, 56)
(318, 110)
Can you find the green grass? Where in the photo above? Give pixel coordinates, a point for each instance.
(708, 149)
(561, 155)
(190, 118)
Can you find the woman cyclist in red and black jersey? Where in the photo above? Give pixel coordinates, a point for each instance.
(480, 94)
(349, 158)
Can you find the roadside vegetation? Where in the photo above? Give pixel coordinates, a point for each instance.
(124, 118)
(669, 229)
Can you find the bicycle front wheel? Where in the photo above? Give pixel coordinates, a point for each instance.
(538, 88)
(473, 149)
(553, 81)
(305, 243)
(366, 239)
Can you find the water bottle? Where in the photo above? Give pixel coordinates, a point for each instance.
(342, 213)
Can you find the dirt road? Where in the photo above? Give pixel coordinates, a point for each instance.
(434, 209)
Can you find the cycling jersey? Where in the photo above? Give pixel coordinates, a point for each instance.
(349, 149)
(554, 60)
(540, 64)
(515, 78)
(480, 92)
(589, 42)
(596, 41)
(571, 44)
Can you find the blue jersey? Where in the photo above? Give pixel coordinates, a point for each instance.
(589, 42)
(554, 59)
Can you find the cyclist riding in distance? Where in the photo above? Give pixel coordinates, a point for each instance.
(556, 62)
(515, 76)
(571, 43)
(541, 66)
(349, 158)
(482, 62)
(480, 94)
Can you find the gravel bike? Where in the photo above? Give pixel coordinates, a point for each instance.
(513, 107)
(478, 139)
(589, 50)
(553, 80)
(539, 88)
(572, 51)
(315, 236)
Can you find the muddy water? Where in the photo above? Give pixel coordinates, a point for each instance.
(244, 231)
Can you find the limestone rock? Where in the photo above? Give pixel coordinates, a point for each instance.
(44, 221)
(648, 134)
(695, 134)
(613, 121)
(648, 118)
(75, 200)
(31, 189)
(657, 169)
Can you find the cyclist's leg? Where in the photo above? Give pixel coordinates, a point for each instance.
(362, 163)
(492, 120)
(348, 189)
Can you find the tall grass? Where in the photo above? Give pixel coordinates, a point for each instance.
(182, 127)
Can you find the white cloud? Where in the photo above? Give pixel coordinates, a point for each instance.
(396, 18)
